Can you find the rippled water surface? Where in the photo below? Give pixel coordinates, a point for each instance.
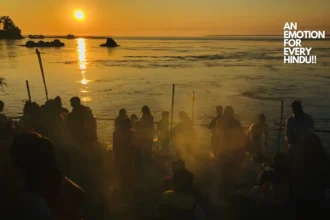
(247, 73)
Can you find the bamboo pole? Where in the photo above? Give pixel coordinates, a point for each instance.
(42, 73)
(28, 89)
(172, 110)
(280, 129)
(193, 108)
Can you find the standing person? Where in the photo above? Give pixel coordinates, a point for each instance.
(163, 132)
(134, 118)
(231, 155)
(122, 115)
(47, 194)
(3, 117)
(298, 126)
(6, 125)
(311, 178)
(212, 127)
(255, 132)
(59, 106)
(146, 127)
(123, 153)
(81, 123)
(183, 135)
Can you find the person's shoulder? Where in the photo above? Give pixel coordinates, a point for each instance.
(308, 116)
(289, 118)
(3, 117)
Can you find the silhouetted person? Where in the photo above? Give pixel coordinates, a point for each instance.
(31, 120)
(6, 125)
(134, 118)
(177, 165)
(183, 135)
(124, 152)
(81, 123)
(311, 177)
(48, 194)
(255, 132)
(183, 202)
(147, 128)
(230, 136)
(122, 115)
(59, 107)
(163, 132)
(298, 126)
(3, 118)
(212, 126)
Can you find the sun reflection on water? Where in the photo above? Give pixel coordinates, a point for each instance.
(81, 49)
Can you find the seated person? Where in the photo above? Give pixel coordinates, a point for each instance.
(183, 202)
(177, 165)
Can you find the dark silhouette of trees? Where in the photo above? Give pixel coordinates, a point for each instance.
(9, 30)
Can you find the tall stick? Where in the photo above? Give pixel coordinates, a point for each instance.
(193, 108)
(172, 108)
(28, 89)
(42, 72)
(280, 129)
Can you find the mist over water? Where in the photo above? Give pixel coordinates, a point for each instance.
(246, 73)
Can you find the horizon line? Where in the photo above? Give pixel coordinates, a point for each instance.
(208, 35)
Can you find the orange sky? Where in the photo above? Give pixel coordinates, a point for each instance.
(166, 17)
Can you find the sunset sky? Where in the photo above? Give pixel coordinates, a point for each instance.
(166, 17)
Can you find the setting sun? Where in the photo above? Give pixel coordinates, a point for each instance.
(79, 15)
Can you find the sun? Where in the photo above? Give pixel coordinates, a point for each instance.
(79, 15)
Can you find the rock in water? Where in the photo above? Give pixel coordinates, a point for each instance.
(110, 43)
(55, 43)
(30, 43)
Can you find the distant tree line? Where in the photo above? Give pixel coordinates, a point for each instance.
(9, 29)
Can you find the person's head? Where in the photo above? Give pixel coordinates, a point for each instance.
(35, 156)
(178, 165)
(134, 117)
(183, 116)
(26, 109)
(146, 110)
(122, 112)
(165, 115)
(183, 180)
(75, 102)
(58, 101)
(219, 109)
(297, 107)
(2, 105)
(229, 112)
(124, 125)
(262, 118)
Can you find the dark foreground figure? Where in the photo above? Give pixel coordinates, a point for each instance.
(47, 193)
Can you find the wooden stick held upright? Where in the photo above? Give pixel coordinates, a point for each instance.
(172, 109)
(42, 72)
(193, 108)
(280, 129)
(28, 89)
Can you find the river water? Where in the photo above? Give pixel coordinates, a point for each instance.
(245, 72)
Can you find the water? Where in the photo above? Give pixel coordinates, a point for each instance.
(245, 72)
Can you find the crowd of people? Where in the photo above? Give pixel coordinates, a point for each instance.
(295, 182)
